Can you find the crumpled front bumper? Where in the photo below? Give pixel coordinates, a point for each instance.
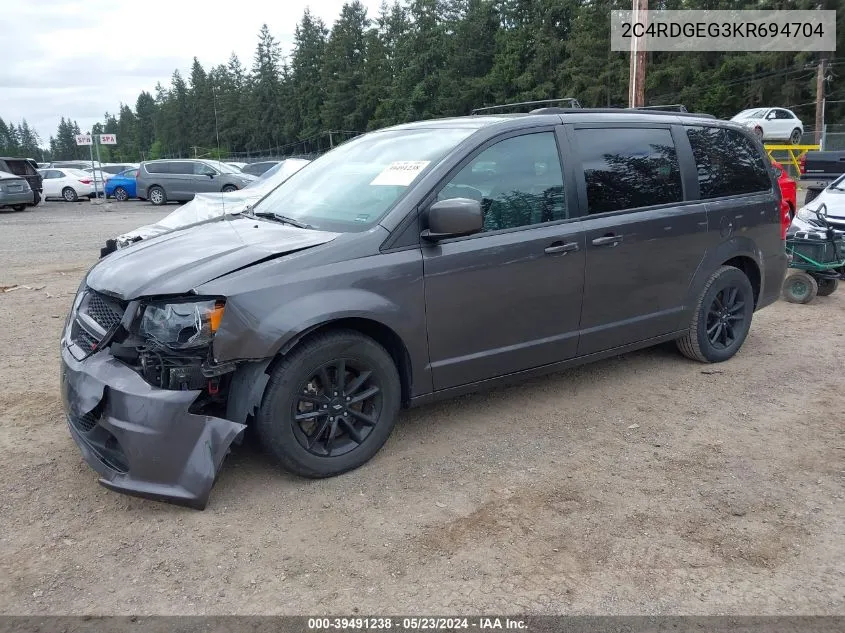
(142, 440)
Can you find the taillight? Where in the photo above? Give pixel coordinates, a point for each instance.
(802, 163)
(85, 181)
(784, 219)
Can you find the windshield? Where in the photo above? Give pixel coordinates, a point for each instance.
(223, 167)
(838, 184)
(350, 188)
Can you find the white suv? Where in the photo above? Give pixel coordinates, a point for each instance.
(772, 124)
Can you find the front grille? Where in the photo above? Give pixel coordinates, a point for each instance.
(84, 340)
(103, 312)
(85, 423)
(96, 315)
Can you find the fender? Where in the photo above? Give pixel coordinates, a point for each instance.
(242, 338)
(737, 246)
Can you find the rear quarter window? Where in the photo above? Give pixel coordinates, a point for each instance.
(629, 168)
(728, 163)
(155, 168)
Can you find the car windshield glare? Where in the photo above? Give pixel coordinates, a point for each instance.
(350, 188)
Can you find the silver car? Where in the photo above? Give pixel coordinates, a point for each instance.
(162, 181)
(15, 191)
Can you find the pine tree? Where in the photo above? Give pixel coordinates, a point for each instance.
(267, 114)
(305, 74)
(145, 116)
(343, 70)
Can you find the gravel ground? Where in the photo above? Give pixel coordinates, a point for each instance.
(644, 484)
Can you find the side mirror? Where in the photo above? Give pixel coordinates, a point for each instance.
(453, 218)
(210, 174)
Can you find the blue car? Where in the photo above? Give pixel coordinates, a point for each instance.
(121, 186)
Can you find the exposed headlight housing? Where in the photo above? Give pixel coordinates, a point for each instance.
(182, 324)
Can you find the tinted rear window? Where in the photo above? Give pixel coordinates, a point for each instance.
(628, 168)
(156, 168)
(18, 167)
(728, 163)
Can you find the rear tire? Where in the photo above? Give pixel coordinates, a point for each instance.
(722, 317)
(800, 287)
(19, 207)
(69, 194)
(120, 194)
(311, 431)
(795, 137)
(157, 196)
(229, 188)
(827, 286)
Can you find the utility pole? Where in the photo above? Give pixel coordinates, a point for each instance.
(636, 80)
(820, 97)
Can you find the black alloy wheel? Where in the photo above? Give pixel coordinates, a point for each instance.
(329, 404)
(726, 317)
(337, 408)
(722, 317)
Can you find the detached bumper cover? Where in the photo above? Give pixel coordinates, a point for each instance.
(142, 440)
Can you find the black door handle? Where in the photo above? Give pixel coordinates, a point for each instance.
(607, 240)
(557, 247)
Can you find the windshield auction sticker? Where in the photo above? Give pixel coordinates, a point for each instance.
(400, 173)
(731, 30)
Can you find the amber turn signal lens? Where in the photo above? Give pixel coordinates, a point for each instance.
(215, 315)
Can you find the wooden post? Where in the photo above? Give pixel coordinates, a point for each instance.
(636, 80)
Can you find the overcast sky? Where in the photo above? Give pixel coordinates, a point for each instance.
(81, 59)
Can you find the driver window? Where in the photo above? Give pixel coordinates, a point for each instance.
(201, 169)
(518, 182)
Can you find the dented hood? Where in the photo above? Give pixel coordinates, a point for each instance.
(177, 262)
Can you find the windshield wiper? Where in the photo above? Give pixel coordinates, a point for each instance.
(279, 218)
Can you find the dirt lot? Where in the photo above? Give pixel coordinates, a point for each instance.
(644, 484)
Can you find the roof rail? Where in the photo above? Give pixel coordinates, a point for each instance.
(572, 102)
(695, 115)
(674, 107)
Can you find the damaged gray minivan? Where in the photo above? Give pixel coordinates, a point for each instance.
(411, 264)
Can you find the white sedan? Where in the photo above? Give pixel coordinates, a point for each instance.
(66, 183)
(772, 124)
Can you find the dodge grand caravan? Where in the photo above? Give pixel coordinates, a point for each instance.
(411, 264)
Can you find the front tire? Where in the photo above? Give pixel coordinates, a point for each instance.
(157, 196)
(800, 287)
(120, 194)
(330, 404)
(229, 188)
(795, 137)
(19, 207)
(722, 317)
